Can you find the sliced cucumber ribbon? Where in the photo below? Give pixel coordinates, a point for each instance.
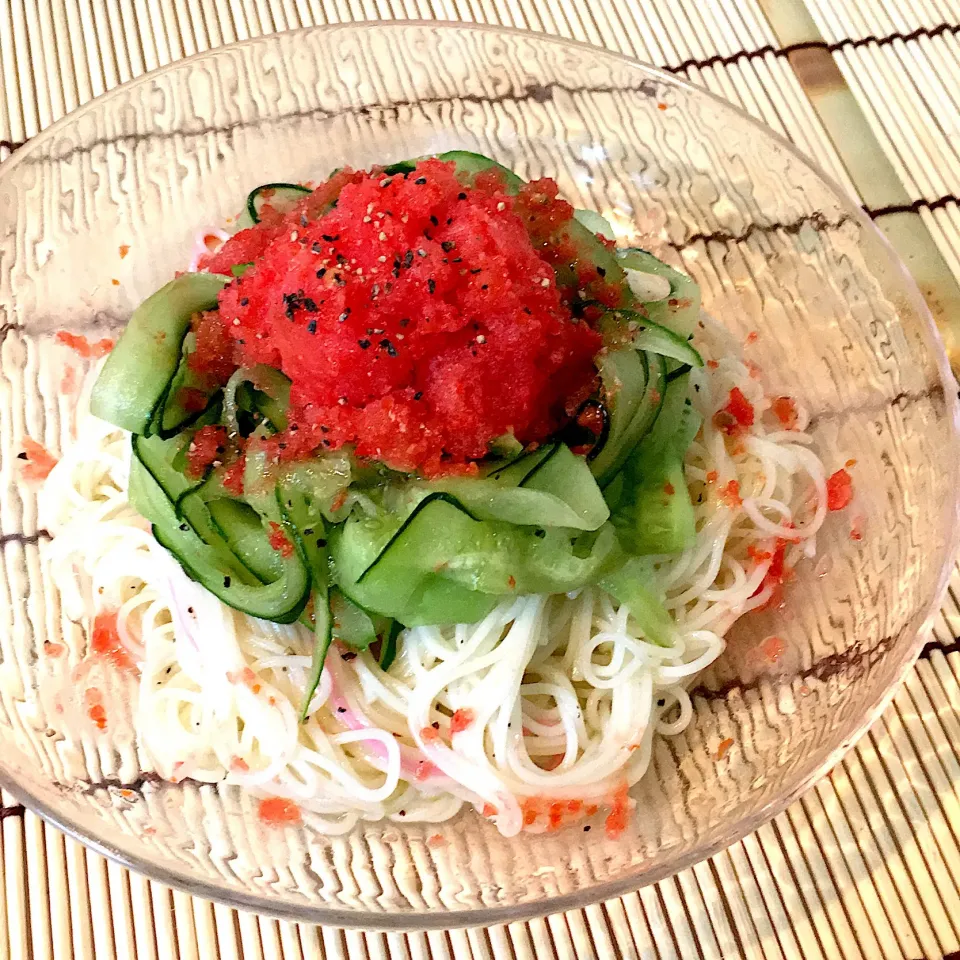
(137, 375)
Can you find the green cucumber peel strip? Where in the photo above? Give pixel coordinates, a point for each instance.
(650, 520)
(678, 312)
(557, 491)
(630, 426)
(281, 601)
(271, 394)
(437, 497)
(323, 637)
(171, 417)
(596, 223)
(304, 522)
(286, 193)
(388, 647)
(440, 564)
(642, 333)
(137, 374)
(242, 530)
(633, 584)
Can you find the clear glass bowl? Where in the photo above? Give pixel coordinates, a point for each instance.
(777, 248)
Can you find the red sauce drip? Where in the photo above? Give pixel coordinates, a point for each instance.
(233, 476)
(736, 416)
(778, 573)
(279, 540)
(723, 747)
(772, 649)
(82, 346)
(785, 410)
(278, 812)
(208, 446)
(616, 821)
(39, 460)
(460, 720)
(729, 494)
(93, 700)
(105, 641)
(839, 490)
(213, 356)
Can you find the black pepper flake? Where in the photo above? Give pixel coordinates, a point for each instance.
(363, 344)
(435, 724)
(586, 829)
(485, 286)
(434, 221)
(283, 446)
(408, 258)
(184, 526)
(244, 301)
(321, 543)
(312, 326)
(348, 656)
(447, 245)
(303, 220)
(341, 709)
(461, 196)
(540, 533)
(309, 305)
(525, 309)
(420, 181)
(418, 395)
(315, 246)
(330, 237)
(402, 813)
(431, 285)
(449, 221)
(338, 280)
(389, 347)
(308, 532)
(477, 270)
(226, 581)
(601, 271)
(321, 273)
(405, 322)
(22, 455)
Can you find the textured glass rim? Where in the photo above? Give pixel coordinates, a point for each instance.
(484, 915)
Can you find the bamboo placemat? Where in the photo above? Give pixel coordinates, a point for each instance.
(867, 864)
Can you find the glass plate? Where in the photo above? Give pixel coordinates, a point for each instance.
(777, 248)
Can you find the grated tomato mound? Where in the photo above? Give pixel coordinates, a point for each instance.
(415, 318)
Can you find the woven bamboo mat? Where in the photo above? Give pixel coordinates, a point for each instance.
(867, 864)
